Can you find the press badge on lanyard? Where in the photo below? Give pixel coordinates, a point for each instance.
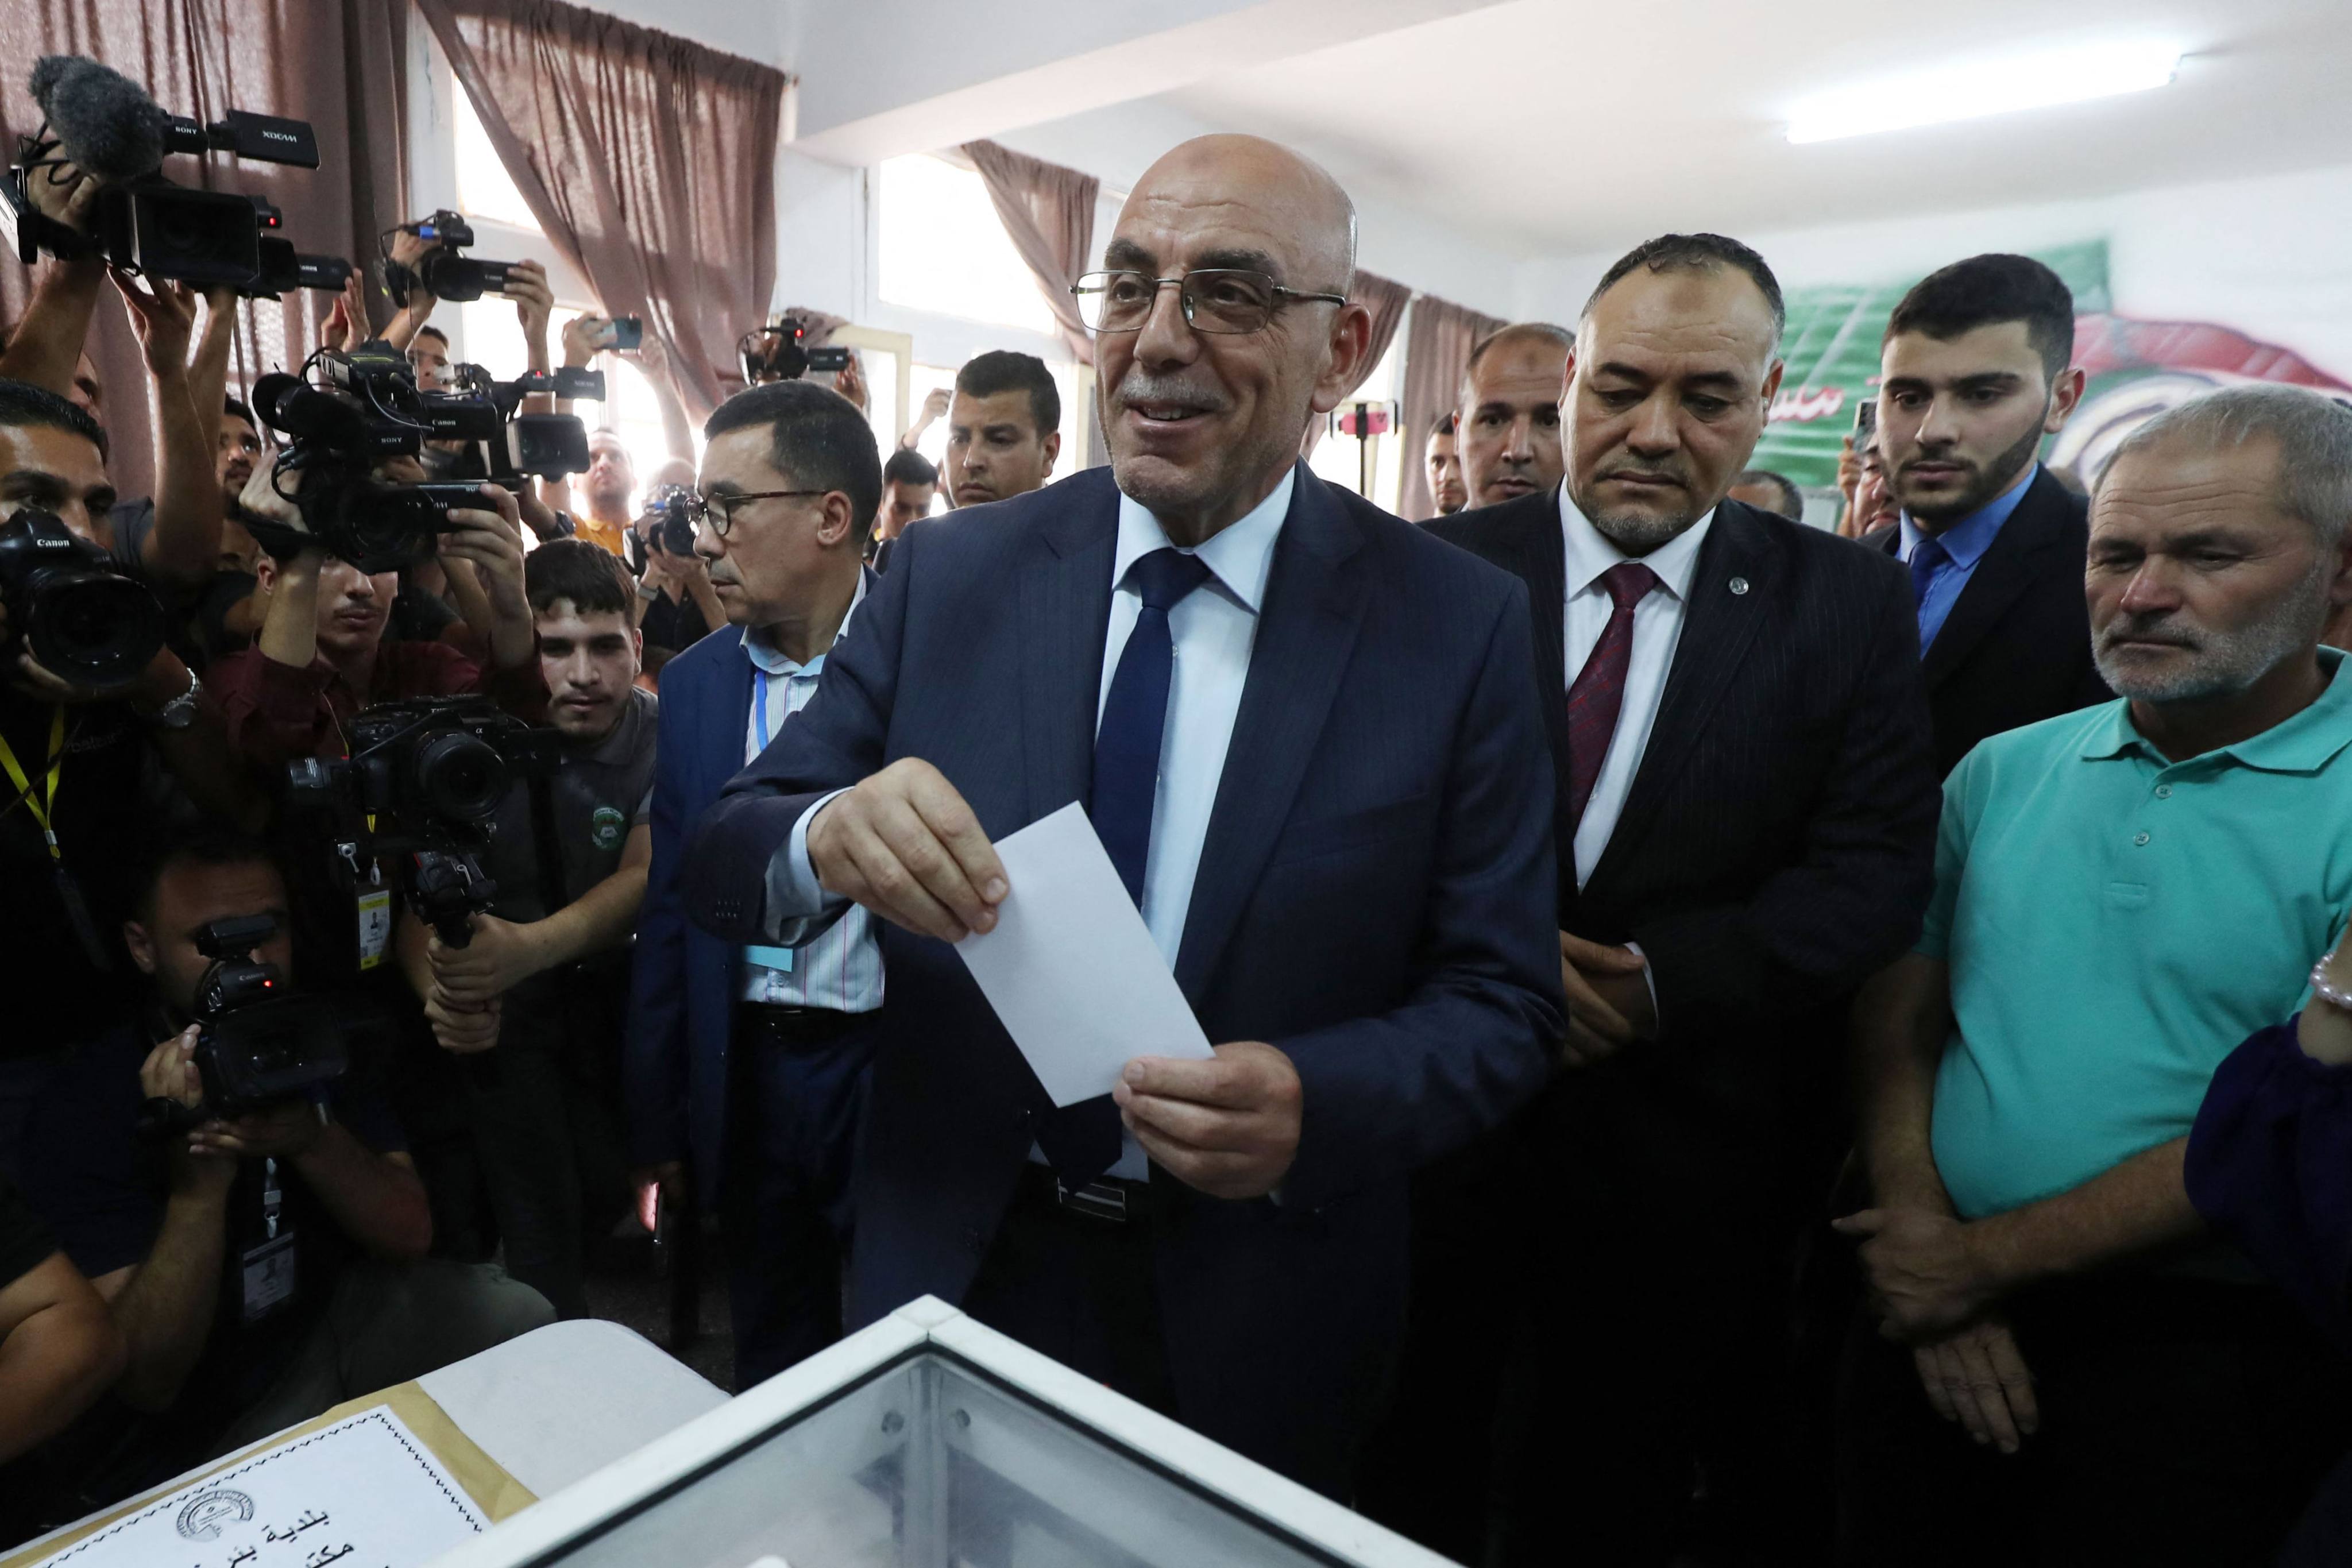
(270, 1264)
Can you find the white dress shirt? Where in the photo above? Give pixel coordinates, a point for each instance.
(1213, 629)
(1657, 628)
(839, 969)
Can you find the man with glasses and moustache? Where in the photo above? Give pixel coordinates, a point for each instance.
(1306, 735)
(743, 1059)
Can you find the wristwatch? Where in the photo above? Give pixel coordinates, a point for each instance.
(180, 710)
(648, 591)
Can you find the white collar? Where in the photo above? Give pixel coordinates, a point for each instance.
(1240, 555)
(760, 652)
(1591, 552)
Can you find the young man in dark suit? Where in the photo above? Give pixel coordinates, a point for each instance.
(1746, 811)
(1976, 370)
(744, 1062)
(1308, 737)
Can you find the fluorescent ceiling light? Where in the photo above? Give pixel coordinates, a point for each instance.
(1991, 87)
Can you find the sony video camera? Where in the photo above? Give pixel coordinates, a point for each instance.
(781, 353)
(429, 774)
(672, 505)
(366, 408)
(105, 125)
(443, 271)
(85, 622)
(257, 1042)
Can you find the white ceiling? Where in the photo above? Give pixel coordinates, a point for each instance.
(1561, 126)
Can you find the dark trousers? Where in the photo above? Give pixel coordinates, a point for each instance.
(792, 1107)
(1077, 1289)
(547, 1132)
(2182, 1420)
(1428, 1470)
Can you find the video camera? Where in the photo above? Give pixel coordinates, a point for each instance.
(442, 272)
(369, 408)
(780, 351)
(105, 125)
(674, 534)
(85, 622)
(257, 1042)
(429, 774)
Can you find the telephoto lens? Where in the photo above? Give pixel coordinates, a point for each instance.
(85, 623)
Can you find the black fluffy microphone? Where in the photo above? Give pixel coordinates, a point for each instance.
(104, 122)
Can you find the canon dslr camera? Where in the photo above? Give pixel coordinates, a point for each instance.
(85, 622)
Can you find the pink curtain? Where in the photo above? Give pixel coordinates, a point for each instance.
(1386, 300)
(650, 163)
(202, 57)
(1437, 353)
(1049, 211)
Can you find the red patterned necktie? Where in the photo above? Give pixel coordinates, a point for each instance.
(1600, 688)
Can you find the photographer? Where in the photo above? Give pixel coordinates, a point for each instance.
(676, 605)
(77, 775)
(174, 542)
(323, 655)
(544, 977)
(262, 1267)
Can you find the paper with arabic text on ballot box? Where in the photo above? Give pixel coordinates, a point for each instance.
(363, 1492)
(1071, 968)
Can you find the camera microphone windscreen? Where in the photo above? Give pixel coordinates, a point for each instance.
(104, 122)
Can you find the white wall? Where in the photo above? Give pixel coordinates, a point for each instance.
(2269, 256)
(1117, 144)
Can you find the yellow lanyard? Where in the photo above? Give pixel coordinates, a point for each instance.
(44, 811)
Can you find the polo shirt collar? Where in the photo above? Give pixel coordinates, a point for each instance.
(1592, 553)
(1967, 541)
(2302, 745)
(1240, 555)
(757, 648)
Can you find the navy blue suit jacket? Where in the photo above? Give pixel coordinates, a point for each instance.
(683, 984)
(1375, 896)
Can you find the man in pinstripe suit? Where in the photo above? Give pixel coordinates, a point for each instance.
(1745, 827)
(745, 1061)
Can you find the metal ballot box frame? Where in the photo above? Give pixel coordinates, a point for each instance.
(930, 1441)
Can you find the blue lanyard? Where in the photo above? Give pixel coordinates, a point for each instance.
(811, 671)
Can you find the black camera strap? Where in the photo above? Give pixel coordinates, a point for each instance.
(41, 803)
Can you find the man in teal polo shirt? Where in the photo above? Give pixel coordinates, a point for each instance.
(2123, 895)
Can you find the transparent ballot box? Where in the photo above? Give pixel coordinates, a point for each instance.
(928, 1441)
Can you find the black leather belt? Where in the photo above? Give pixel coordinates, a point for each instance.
(775, 1024)
(1106, 1200)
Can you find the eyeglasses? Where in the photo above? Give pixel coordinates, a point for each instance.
(719, 510)
(1231, 300)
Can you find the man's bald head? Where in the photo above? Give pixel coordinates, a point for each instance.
(1251, 170)
(1204, 421)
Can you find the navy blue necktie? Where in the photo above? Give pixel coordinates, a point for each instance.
(1082, 1140)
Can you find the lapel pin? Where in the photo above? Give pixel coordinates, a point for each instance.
(1739, 585)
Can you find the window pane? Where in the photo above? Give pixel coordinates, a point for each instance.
(484, 189)
(944, 249)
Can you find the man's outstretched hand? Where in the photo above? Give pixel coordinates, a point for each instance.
(904, 845)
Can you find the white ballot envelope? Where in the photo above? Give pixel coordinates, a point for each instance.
(1071, 968)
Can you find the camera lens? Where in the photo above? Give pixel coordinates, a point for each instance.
(459, 776)
(91, 627)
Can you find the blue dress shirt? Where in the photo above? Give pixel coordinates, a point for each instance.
(1957, 550)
